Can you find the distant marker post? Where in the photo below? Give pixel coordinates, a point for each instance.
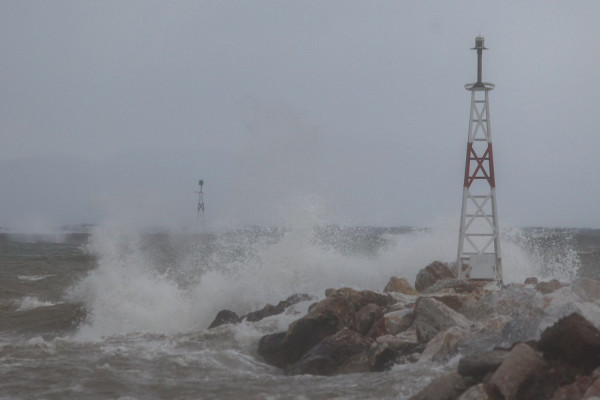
(200, 202)
(479, 243)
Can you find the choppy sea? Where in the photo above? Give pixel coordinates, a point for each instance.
(119, 313)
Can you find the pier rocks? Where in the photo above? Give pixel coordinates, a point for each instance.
(511, 341)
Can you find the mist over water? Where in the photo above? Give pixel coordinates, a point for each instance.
(177, 282)
(125, 312)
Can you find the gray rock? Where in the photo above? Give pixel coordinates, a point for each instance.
(457, 286)
(431, 274)
(327, 317)
(399, 285)
(433, 316)
(446, 387)
(479, 365)
(548, 287)
(445, 344)
(386, 350)
(477, 392)
(521, 367)
(225, 317)
(366, 317)
(399, 321)
(573, 340)
(334, 352)
(531, 281)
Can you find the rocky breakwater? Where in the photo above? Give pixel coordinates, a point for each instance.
(537, 340)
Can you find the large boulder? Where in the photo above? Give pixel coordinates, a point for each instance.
(587, 289)
(337, 311)
(327, 357)
(229, 317)
(444, 345)
(521, 367)
(432, 273)
(477, 392)
(548, 287)
(433, 316)
(399, 321)
(575, 390)
(593, 390)
(366, 317)
(479, 365)
(445, 387)
(225, 317)
(386, 350)
(264, 312)
(400, 285)
(573, 340)
(456, 301)
(269, 347)
(454, 285)
(270, 309)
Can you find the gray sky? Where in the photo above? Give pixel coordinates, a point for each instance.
(294, 111)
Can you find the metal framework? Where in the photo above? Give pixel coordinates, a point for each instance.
(200, 202)
(479, 245)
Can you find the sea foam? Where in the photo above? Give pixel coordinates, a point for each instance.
(176, 283)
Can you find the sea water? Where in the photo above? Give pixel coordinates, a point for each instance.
(123, 313)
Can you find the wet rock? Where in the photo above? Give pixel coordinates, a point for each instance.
(327, 357)
(269, 347)
(301, 336)
(265, 312)
(230, 317)
(378, 329)
(514, 300)
(401, 301)
(444, 345)
(366, 317)
(548, 287)
(225, 317)
(587, 289)
(479, 365)
(518, 370)
(280, 308)
(456, 301)
(477, 392)
(453, 285)
(519, 330)
(574, 391)
(573, 340)
(399, 321)
(327, 317)
(446, 387)
(295, 299)
(361, 298)
(431, 274)
(399, 285)
(531, 281)
(358, 363)
(386, 350)
(593, 390)
(433, 317)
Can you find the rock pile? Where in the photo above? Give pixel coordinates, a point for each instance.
(230, 317)
(497, 330)
(563, 365)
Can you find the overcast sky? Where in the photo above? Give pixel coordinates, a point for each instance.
(352, 112)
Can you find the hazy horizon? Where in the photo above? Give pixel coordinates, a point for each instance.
(293, 113)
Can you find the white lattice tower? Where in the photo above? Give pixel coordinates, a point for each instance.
(479, 245)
